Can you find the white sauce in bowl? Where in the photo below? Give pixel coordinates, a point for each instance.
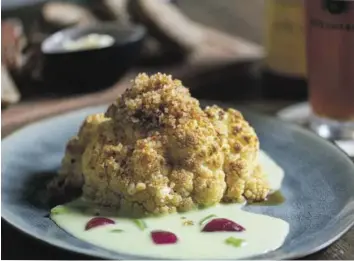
(90, 41)
(263, 233)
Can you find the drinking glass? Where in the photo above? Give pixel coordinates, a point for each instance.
(330, 62)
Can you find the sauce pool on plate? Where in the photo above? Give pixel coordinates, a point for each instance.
(222, 231)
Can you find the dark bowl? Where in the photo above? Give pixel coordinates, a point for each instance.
(81, 71)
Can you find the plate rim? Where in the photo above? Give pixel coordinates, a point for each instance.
(61, 244)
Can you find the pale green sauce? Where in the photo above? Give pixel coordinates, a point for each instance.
(263, 233)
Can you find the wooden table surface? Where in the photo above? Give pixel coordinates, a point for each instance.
(243, 18)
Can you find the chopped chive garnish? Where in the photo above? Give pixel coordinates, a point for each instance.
(58, 210)
(236, 242)
(117, 230)
(188, 223)
(206, 218)
(140, 223)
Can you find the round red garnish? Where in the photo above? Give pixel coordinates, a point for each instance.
(222, 224)
(98, 221)
(163, 237)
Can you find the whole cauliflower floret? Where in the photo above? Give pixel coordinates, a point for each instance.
(70, 174)
(244, 177)
(155, 150)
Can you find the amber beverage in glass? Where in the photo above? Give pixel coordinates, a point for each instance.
(330, 64)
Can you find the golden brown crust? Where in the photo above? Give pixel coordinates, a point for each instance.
(241, 145)
(156, 150)
(241, 156)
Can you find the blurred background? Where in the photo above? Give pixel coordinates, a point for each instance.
(222, 50)
(172, 40)
(62, 55)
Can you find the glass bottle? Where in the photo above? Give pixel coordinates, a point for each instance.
(284, 73)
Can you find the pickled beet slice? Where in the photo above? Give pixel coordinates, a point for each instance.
(222, 224)
(98, 221)
(163, 237)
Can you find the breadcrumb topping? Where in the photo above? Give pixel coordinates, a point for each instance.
(156, 150)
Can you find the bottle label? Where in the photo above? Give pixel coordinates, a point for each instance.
(285, 37)
(330, 49)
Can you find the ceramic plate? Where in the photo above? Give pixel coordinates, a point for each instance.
(318, 184)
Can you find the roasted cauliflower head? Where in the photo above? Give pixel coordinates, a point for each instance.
(156, 150)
